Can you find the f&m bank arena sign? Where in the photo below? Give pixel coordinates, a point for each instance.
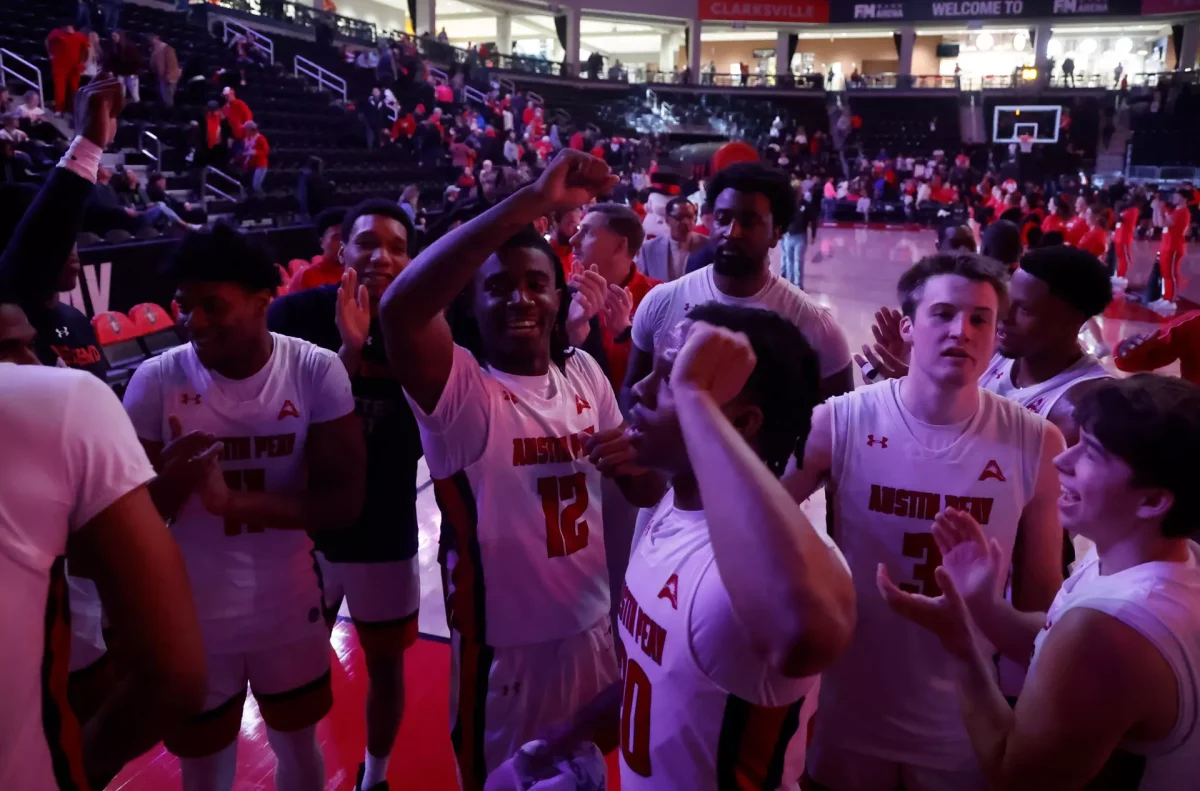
(968, 10)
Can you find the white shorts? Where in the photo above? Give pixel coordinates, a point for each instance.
(377, 593)
(291, 684)
(501, 698)
(87, 624)
(832, 768)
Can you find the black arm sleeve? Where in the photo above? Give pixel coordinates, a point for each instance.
(33, 259)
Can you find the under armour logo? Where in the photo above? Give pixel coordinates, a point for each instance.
(992, 472)
(288, 410)
(186, 399)
(507, 396)
(872, 442)
(61, 332)
(1035, 405)
(580, 405)
(670, 591)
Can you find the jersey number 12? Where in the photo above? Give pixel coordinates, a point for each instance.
(566, 529)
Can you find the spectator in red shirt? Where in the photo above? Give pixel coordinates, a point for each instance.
(255, 149)
(404, 127)
(608, 239)
(1127, 220)
(576, 141)
(68, 49)
(1077, 226)
(1095, 238)
(1179, 339)
(326, 266)
(1056, 220)
(1173, 248)
(237, 115)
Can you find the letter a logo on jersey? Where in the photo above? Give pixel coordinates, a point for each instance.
(670, 591)
(581, 404)
(186, 399)
(992, 472)
(288, 410)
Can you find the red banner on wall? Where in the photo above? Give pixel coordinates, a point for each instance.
(1170, 6)
(785, 11)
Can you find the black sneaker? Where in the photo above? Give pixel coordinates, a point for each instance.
(358, 786)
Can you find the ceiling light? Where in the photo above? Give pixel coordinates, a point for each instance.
(1088, 46)
(1054, 48)
(984, 41)
(1124, 45)
(1020, 41)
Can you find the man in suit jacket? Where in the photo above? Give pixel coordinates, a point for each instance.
(665, 257)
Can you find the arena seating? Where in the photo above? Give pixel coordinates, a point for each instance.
(1164, 127)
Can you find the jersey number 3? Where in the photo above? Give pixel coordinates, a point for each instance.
(566, 529)
(923, 547)
(252, 480)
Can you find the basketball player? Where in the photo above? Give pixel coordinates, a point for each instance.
(79, 486)
(507, 438)
(1112, 697)
(892, 456)
(1128, 213)
(39, 263)
(290, 462)
(744, 601)
(1038, 358)
(372, 564)
(1172, 250)
(1055, 293)
(752, 208)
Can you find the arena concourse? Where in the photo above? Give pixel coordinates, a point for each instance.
(847, 353)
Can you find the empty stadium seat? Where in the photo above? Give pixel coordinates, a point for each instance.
(118, 339)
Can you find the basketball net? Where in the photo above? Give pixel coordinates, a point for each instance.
(1026, 143)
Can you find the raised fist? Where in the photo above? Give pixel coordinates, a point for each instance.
(572, 179)
(715, 360)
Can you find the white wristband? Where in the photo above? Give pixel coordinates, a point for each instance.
(82, 158)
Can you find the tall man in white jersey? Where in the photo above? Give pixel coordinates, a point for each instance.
(291, 462)
(752, 208)
(732, 601)
(893, 455)
(1112, 698)
(516, 436)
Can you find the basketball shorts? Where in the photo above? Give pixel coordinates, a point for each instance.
(87, 623)
(384, 599)
(290, 683)
(501, 698)
(832, 768)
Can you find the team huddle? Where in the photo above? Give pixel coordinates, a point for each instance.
(1005, 594)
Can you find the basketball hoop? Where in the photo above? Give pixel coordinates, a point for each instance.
(1026, 143)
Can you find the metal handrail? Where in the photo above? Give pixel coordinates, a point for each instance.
(142, 135)
(508, 85)
(534, 97)
(325, 78)
(474, 95)
(439, 77)
(233, 28)
(302, 14)
(241, 190)
(9, 70)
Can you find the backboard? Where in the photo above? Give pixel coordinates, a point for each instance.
(1010, 122)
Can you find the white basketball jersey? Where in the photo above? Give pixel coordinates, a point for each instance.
(1042, 397)
(679, 729)
(254, 587)
(522, 526)
(1161, 601)
(892, 693)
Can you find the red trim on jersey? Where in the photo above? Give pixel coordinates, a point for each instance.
(470, 721)
(58, 721)
(465, 608)
(752, 744)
